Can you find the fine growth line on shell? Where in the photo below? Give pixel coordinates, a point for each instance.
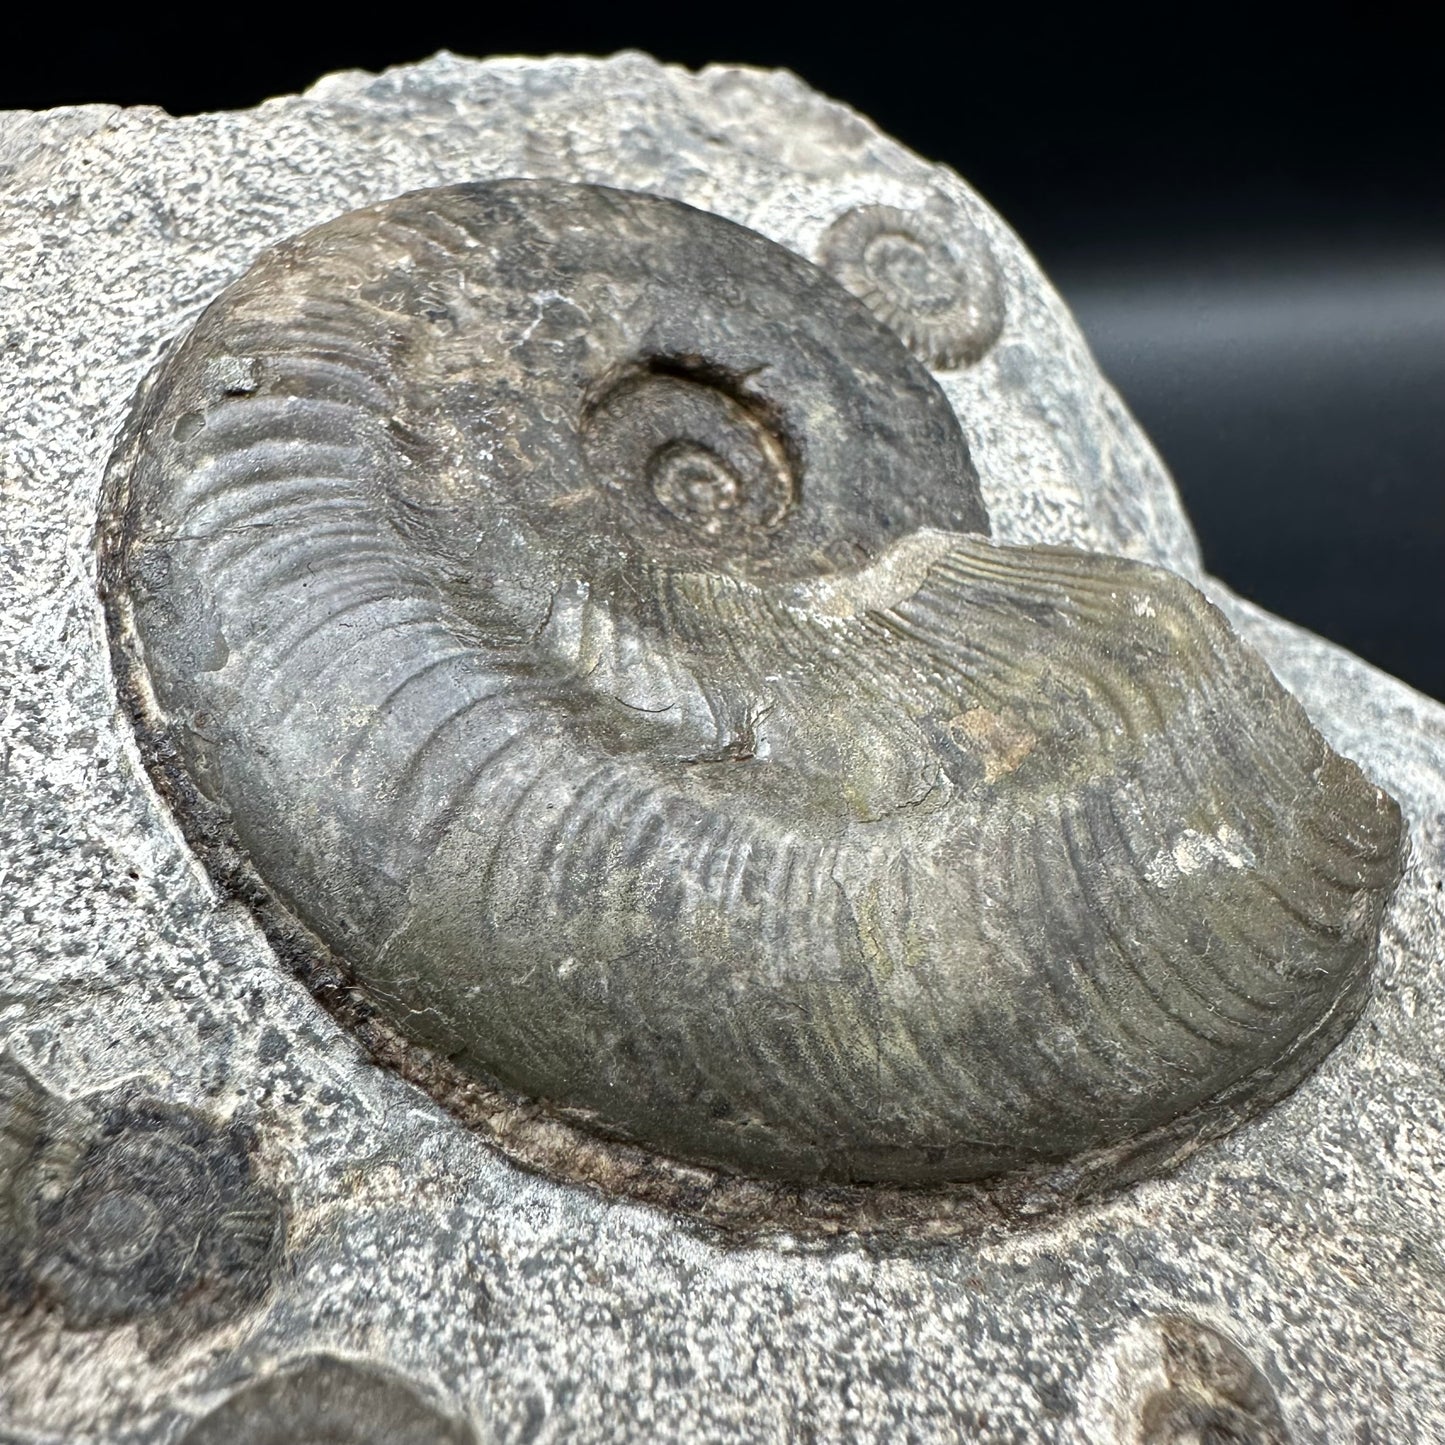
(580, 631)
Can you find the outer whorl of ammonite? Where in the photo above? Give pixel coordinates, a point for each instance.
(133, 1207)
(567, 610)
(937, 287)
(1176, 1381)
(326, 1398)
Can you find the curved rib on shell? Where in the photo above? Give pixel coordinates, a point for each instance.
(573, 606)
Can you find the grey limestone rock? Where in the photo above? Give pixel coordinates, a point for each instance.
(1280, 1283)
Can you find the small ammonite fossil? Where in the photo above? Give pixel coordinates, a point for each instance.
(570, 612)
(328, 1398)
(1177, 1381)
(938, 288)
(125, 1207)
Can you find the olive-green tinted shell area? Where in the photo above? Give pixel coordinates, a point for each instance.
(573, 611)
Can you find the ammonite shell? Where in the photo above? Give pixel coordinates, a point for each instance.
(26, 1114)
(327, 1398)
(570, 607)
(939, 289)
(132, 1206)
(1177, 1381)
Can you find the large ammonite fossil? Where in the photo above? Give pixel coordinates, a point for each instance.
(572, 614)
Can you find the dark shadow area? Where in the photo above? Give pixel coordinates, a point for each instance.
(1300, 401)
(1247, 215)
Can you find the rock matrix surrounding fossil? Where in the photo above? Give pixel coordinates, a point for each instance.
(573, 606)
(1309, 1240)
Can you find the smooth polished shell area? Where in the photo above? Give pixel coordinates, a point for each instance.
(571, 611)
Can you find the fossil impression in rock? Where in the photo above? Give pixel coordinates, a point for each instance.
(573, 614)
(938, 289)
(119, 1208)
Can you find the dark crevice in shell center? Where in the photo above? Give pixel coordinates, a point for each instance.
(685, 442)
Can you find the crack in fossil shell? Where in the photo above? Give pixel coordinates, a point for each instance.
(572, 612)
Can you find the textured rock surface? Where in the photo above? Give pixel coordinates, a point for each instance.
(1303, 1254)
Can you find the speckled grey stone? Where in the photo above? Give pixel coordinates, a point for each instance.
(1305, 1248)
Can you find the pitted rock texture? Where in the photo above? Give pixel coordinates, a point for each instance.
(532, 1310)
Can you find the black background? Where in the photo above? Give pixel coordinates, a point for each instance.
(1247, 215)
